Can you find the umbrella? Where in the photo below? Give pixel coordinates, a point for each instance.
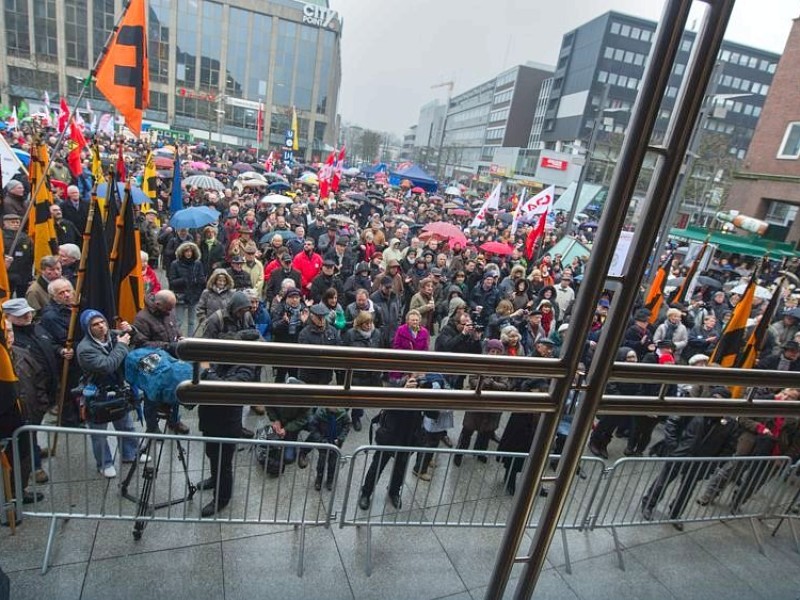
(194, 217)
(217, 170)
(451, 205)
(165, 151)
(404, 218)
(349, 203)
(357, 196)
(199, 165)
(276, 199)
(453, 191)
(137, 194)
(435, 197)
(497, 248)
(252, 175)
(460, 212)
(164, 174)
(286, 235)
(352, 171)
(241, 167)
(279, 186)
(446, 231)
(163, 162)
(417, 190)
(309, 179)
(252, 183)
(761, 291)
(709, 282)
(204, 182)
(374, 194)
(472, 193)
(273, 177)
(341, 219)
(258, 167)
(24, 157)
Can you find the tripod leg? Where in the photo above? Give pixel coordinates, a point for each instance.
(143, 506)
(132, 471)
(192, 488)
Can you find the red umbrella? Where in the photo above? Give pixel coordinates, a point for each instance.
(417, 190)
(460, 212)
(497, 248)
(163, 162)
(445, 231)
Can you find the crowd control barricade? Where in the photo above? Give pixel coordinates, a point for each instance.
(650, 491)
(473, 494)
(164, 483)
(788, 506)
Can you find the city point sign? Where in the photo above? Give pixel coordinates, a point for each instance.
(318, 15)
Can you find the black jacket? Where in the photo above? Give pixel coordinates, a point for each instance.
(187, 278)
(699, 436)
(224, 421)
(354, 339)
(327, 336)
(43, 349)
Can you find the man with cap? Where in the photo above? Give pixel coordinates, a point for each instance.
(149, 237)
(318, 227)
(785, 329)
(327, 240)
(360, 279)
(253, 266)
(19, 272)
(101, 355)
(272, 285)
(289, 316)
(565, 294)
(66, 232)
(388, 310)
(326, 280)
(643, 425)
(309, 265)
(318, 332)
(49, 270)
(344, 258)
(241, 278)
(14, 198)
(39, 353)
(484, 298)
(74, 209)
(639, 335)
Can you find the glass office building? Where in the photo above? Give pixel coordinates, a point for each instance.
(212, 63)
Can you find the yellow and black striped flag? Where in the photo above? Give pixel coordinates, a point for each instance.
(655, 295)
(111, 210)
(729, 347)
(97, 166)
(97, 292)
(126, 263)
(149, 183)
(41, 227)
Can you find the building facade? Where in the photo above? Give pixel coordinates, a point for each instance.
(768, 184)
(496, 114)
(212, 63)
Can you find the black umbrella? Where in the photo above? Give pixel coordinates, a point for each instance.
(358, 197)
(709, 282)
(258, 167)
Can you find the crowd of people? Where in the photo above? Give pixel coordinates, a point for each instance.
(356, 268)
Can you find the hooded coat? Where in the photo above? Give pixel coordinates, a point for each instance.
(187, 276)
(213, 299)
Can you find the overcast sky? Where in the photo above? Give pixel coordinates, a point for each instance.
(393, 52)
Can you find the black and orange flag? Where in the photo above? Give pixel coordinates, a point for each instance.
(126, 263)
(729, 347)
(112, 211)
(655, 295)
(41, 227)
(8, 379)
(686, 287)
(122, 74)
(97, 291)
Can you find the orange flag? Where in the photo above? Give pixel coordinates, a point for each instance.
(123, 75)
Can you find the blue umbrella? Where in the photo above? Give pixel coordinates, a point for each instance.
(279, 186)
(23, 157)
(193, 217)
(286, 235)
(139, 197)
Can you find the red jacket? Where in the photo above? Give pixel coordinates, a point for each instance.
(309, 267)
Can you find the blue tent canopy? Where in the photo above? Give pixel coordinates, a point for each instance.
(416, 176)
(376, 168)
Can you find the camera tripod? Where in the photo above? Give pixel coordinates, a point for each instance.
(144, 506)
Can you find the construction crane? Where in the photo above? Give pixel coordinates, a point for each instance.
(449, 85)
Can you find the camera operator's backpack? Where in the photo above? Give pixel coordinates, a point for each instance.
(268, 456)
(156, 373)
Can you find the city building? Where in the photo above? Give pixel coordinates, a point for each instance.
(495, 114)
(212, 63)
(767, 186)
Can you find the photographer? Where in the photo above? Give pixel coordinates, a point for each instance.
(101, 356)
(397, 428)
(288, 319)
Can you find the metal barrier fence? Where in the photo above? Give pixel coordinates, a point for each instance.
(642, 491)
(468, 488)
(163, 483)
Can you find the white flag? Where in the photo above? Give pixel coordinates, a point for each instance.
(515, 220)
(106, 125)
(10, 162)
(12, 122)
(493, 201)
(536, 205)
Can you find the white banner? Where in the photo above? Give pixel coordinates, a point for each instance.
(493, 202)
(10, 163)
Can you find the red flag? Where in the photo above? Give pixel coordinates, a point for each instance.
(122, 174)
(63, 115)
(259, 124)
(534, 234)
(325, 174)
(337, 171)
(270, 163)
(76, 145)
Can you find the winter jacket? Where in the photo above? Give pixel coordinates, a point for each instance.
(212, 299)
(153, 330)
(222, 323)
(224, 420)
(389, 311)
(187, 277)
(699, 436)
(405, 340)
(19, 273)
(272, 286)
(354, 339)
(327, 336)
(322, 284)
(331, 427)
(212, 255)
(309, 267)
(103, 365)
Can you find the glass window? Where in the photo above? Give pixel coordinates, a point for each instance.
(306, 64)
(18, 42)
(756, 111)
(284, 64)
(622, 81)
(764, 89)
(628, 57)
(258, 57)
(633, 83)
(76, 33)
(790, 146)
(686, 45)
(619, 54)
(44, 14)
(771, 68)
(743, 59)
(737, 81)
(327, 41)
(625, 31)
(734, 57)
(679, 68)
(726, 80)
(635, 33)
(725, 55)
(646, 35)
(211, 36)
(615, 28)
(602, 76)
(157, 35)
(753, 62)
(608, 52)
(748, 109)
(612, 78)
(186, 63)
(737, 107)
(638, 60)
(672, 91)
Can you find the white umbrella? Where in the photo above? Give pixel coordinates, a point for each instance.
(453, 191)
(352, 171)
(761, 292)
(276, 199)
(205, 182)
(252, 175)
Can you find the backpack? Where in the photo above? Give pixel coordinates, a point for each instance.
(268, 456)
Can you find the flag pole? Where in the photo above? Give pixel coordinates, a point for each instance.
(73, 318)
(60, 140)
